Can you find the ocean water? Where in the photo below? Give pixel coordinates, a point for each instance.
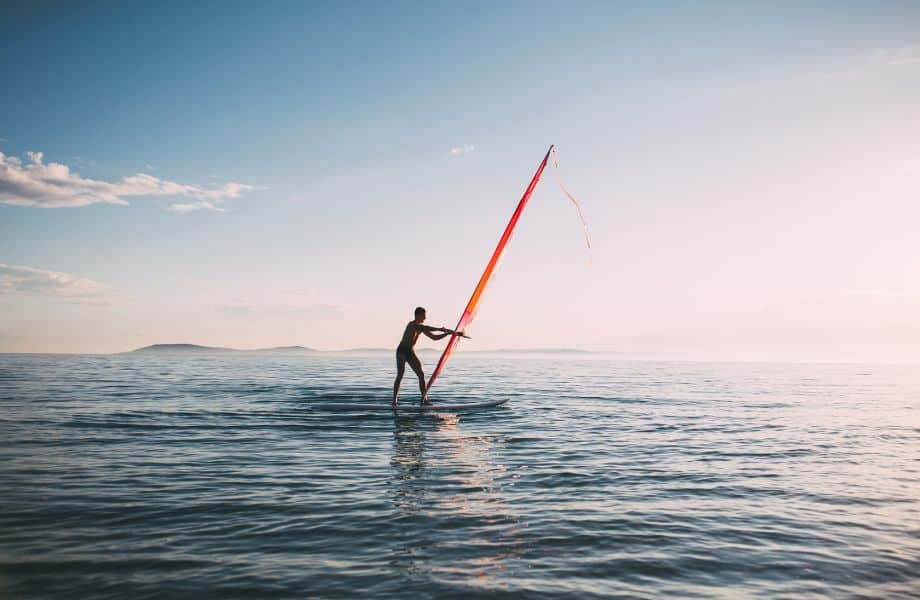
(224, 476)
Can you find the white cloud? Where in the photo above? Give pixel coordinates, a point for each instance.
(905, 55)
(203, 205)
(462, 149)
(19, 280)
(847, 70)
(53, 185)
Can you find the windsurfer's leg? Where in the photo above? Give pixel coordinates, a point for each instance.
(400, 369)
(416, 365)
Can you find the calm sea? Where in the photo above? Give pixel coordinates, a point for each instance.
(223, 476)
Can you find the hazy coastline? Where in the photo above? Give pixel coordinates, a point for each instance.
(185, 348)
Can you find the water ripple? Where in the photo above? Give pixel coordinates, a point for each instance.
(125, 476)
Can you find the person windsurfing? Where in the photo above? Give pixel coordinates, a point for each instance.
(405, 352)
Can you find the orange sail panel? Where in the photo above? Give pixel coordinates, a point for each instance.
(473, 305)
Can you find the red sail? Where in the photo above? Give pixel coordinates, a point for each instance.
(471, 306)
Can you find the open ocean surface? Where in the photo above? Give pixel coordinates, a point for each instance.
(220, 476)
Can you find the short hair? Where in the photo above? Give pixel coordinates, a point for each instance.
(419, 311)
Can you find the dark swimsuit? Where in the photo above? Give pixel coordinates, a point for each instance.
(408, 354)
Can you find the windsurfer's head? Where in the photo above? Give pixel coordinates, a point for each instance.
(420, 314)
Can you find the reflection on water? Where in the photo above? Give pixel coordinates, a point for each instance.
(409, 553)
(459, 484)
(408, 463)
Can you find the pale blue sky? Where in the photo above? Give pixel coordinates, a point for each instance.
(749, 173)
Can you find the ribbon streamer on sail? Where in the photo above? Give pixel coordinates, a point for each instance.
(565, 191)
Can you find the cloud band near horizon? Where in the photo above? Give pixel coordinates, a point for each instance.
(29, 281)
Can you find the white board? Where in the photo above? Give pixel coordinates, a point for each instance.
(408, 406)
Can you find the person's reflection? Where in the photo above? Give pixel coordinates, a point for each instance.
(408, 463)
(443, 476)
(409, 492)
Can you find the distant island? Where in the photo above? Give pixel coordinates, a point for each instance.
(198, 349)
(539, 351)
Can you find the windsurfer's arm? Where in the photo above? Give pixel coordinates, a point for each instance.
(444, 333)
(430, 332)
(452, 332)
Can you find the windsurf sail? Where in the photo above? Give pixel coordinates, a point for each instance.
(471, 307)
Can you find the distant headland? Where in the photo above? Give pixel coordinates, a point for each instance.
(195, 348)
(199, 349)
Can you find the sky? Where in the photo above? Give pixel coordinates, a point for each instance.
(255, 175)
